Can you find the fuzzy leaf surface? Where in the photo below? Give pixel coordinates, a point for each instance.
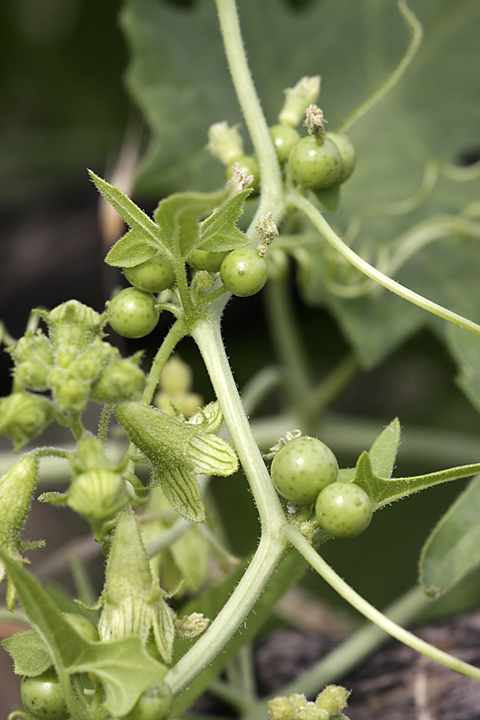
(219, 232)
(29, 653)
(354, 48)
(178, 217)
(383, 491)
(145, 231)
(124, 667)
(384, 450)
(453, 547)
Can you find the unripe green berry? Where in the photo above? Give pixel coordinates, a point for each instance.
(315, 165)
(153, 275)
(206, 260)
(244, 272)
(284, 140)
(344, 510)
(347, 154)
(132, 313)
(302, 468)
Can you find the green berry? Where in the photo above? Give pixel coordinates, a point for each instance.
(344, 509)
(284, 140)
(154, 704)
(315, 165)
(132, 313)
(244, 272)
(347, 154)
(42, 696)
(206, 260)
(302, 468)
(153, 275)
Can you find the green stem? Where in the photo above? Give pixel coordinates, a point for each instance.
(334, 383)
(295, 200)
(371, 613)
(288, 343)
(103, 425)
(173, 337)
(417, 32)
(208, 337)
(271, 181)
(349, 654)
(232, 615)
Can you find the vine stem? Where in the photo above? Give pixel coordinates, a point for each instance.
(382, 621)
(295, 200)
(417, 33)
(208, 337)
(232, 615)
(173, 337)
(271, 181)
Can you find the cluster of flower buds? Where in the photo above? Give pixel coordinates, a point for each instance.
(56, 374)
(327, 706)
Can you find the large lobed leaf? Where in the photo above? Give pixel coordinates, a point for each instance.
(432, 111)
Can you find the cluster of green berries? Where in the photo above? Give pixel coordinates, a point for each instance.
(305, 471)
(133, 312)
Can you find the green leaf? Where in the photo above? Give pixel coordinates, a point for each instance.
(384, 450)
(383, 491)
(124, 667)
(465, 348)
(145, 231)
(219, 232)
(132, 249)
(178, 217)
(453, 547)
(29, 653)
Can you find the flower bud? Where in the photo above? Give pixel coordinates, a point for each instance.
(16, 489)
(97, 495)
(133, 603)
(298, 98)
(23, 416)
(332, 699)
(176, 376)
(70, 394)
(122, 380)
(225, 142)
(33, 356)
(281, 708)
(72, 326)
(90, 455)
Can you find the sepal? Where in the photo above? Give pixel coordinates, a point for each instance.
(23, 416)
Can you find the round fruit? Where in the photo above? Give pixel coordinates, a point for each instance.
(42, 696)
(314, 165)
(344, 509)
(302, 468)
(153, 275)
(284, 139)
(154, 704)
(347, 153)
(248, 165)
(132, 313)
(244, 272)
(206, 260)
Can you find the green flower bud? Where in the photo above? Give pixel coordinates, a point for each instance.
(186, 403)
(310, 712)
(298, 98)
(281, 708)
(333, 699)
(70, 394)
(23, 416)
(176, 376)
(97, 495)
(73, 326)
(16, 489)
(90, 455)
(225, 142)
(132, 601)
(33, 356)
(122, 380)
(98, 355)
(298, 701)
